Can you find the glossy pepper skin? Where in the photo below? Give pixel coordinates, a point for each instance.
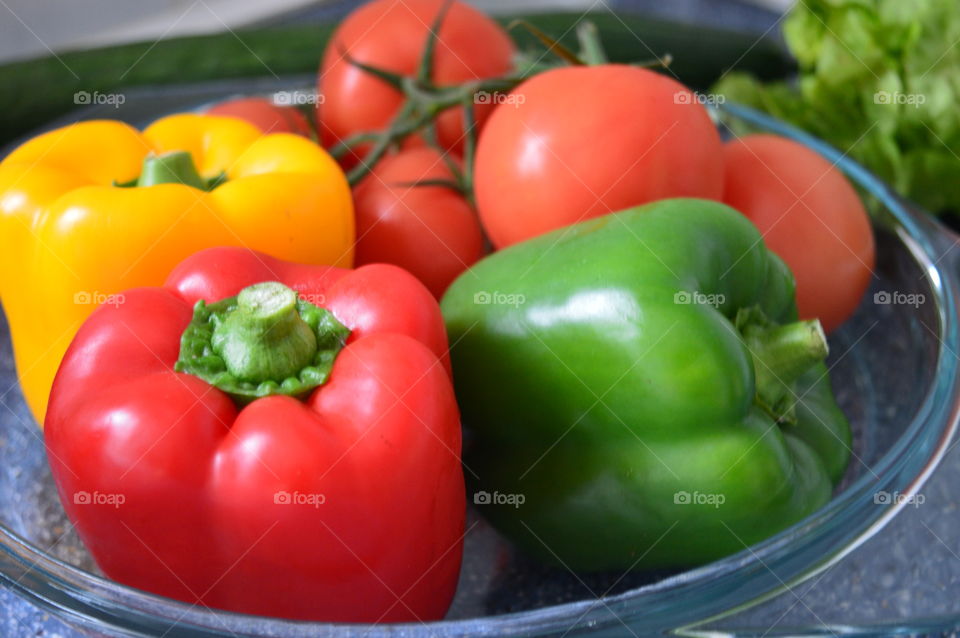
(604, 385)
(345, 505)
(70, 238)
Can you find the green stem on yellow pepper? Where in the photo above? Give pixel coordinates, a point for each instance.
(175, 167)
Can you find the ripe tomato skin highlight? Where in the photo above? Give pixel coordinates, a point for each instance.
(265, 115)
(431, 231)
(586, 141)
(810, 215)
(391, 34)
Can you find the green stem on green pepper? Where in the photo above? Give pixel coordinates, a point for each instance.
(781, 355)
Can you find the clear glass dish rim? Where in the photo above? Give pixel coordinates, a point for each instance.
(97, 602)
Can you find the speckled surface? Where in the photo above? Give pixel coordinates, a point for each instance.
(910, 571)
(22, 619)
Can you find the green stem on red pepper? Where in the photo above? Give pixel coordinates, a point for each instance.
(264, 341)
(264, 337)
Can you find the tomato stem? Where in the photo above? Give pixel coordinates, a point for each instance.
(469, 149)
(591, 49)
(425, 68)
(424, 100)
(422, 183)
(398, 130)
(345, 146)
(553, 45)
(430, 134)
(393, 79)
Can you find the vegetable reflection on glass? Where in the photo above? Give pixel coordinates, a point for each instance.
(649, 390)
(95, 208)
(282, 453)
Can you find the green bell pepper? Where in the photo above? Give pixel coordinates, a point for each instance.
(640, 391)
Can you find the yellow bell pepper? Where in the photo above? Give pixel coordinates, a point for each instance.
(95, 208)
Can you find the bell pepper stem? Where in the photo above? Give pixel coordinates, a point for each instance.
(175, 167)
(265, 338)
(264, 341)
(781, 354)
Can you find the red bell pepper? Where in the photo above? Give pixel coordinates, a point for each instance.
(235, 484)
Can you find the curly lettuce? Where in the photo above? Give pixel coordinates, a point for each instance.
(879, 79)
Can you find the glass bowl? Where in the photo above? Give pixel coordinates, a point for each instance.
(893, 370)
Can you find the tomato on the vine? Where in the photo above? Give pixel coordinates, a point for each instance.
(578, 142)
(391, 35)
(431, 231)
(265, 115)
(810, 215)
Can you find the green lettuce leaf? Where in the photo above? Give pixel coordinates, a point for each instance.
(879, 79)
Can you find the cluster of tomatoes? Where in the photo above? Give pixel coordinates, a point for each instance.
(566, 144)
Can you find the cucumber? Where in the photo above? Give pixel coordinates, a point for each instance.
(36, 91)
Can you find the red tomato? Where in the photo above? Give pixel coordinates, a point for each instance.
(265, 115)
(578, 142)
(390, 34)
(430, 231)
(810, 215)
